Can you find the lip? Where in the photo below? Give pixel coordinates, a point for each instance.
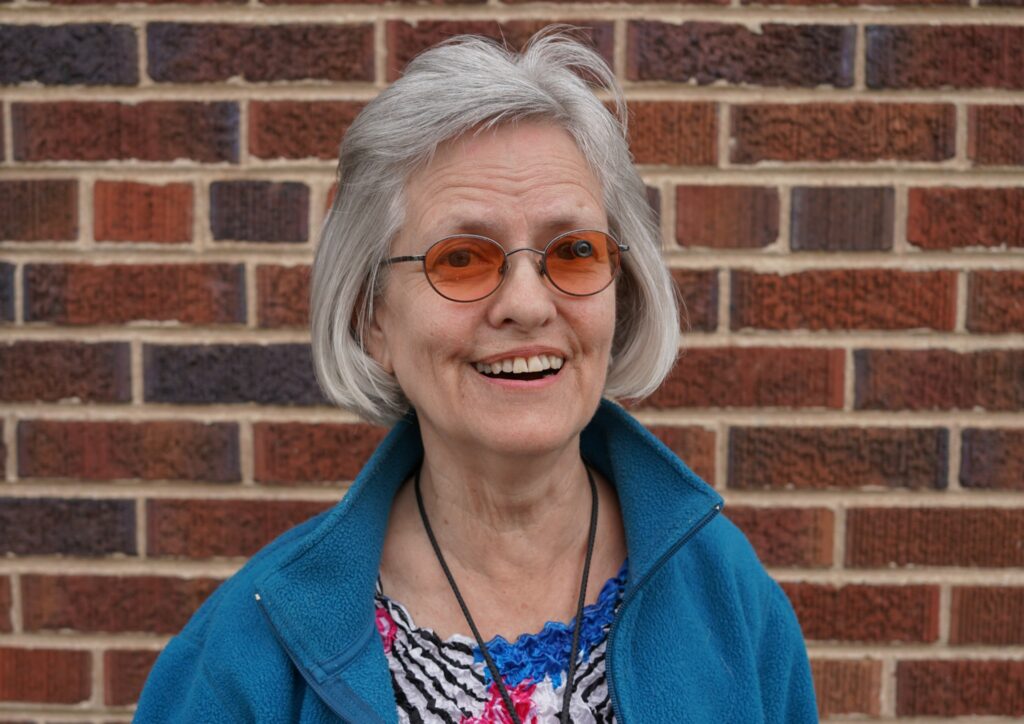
(522, 352)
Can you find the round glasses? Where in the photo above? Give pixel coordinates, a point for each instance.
(467, 267)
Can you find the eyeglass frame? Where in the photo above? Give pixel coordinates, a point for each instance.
(622, 248)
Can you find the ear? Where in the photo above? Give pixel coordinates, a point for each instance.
(375, 338)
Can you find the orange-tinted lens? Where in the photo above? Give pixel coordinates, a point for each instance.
(464, 268)
(582, 262)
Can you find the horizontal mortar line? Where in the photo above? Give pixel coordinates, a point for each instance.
(907, 651)
(69, 488)
(73, 714)
(147, 333)
(168, 567)
(875, 173)
(843, 339)
(182, 413)
(820, 417)
(153, 254)
(91, 640)
(854, 498)
(747, 93)
(174, 172)
(934, 576)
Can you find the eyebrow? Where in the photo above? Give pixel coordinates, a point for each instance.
(551, 227)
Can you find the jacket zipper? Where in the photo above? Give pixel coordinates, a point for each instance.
(619, 717)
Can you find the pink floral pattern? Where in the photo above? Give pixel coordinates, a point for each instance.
(386, 627)
(495, 712)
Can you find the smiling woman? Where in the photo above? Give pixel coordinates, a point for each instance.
(518, 549)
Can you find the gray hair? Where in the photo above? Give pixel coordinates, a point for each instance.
(458, 87)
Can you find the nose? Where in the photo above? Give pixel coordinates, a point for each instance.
(524, 298)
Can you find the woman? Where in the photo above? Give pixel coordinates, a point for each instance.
(489, 271)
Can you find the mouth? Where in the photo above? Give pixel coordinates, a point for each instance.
(525, 369)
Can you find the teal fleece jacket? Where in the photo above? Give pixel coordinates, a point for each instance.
(702, 635)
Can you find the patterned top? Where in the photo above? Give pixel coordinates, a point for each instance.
(447, 680)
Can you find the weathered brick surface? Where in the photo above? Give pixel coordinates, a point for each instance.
(126, 211)
(992, 459)
(259, 211)
(694, 445)
(995, 135)
(846, 3)
(776, 55)
(299, 129)
(282, 296)
(115, 604)
(45, 676)
(811, 458)
(295, 452)
(673, 133)
(78, 294)
(277, 374)
(753, 377)
(54, 371)
(72, 527)
(74, 54)
(942, 56)
(841, 219)
(207, 528)
(787, 536)
(844, 299)
(953, 218)
(938, 379)
(984, 537)
(698, 291)
(41, 210)
(847, 686)
(995, 302)
(115, 450)
(959, 688)
(6, 292)
(727, 217)
(859, 612)
(147, 131)
(864, 132)
(124, 673)
(205, 53)
(5, 604)
(987, 615)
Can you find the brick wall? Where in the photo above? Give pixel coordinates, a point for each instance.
(841, 191)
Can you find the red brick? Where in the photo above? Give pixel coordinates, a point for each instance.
(146, 2)
(753, 377)
(939, 379)
(943, 56)
(841, 219)
(295, 452)
(960, 688)
(115, 604)
(43, 210)
(954, 218)
(299, 129)
(849, 3)
(5, 604)
(774, 55)
(103, 131)
(81, 294)
(115, 450)
(45, 676)
(693, 445)
(992, 459)
(125, 672)
(818, 458)
(407, 40)
(672, 133)
(847, 686)
(55, 371)
(787, 536)
(987, 615)
(282, 296)
(370, 2)
(207, 528)
(863, 132)
(983, 537)
(698, 289)
(885, 299)
(126, 211)
(995, 302)
(872, 613)
(727, 217)
(67, 526)
(995, 135)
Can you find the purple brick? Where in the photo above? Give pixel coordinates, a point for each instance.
(259, 211)
(841, 219)
(6, 292)
(75, 527)
(80, 54)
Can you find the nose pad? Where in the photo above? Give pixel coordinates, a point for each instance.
(539, 266)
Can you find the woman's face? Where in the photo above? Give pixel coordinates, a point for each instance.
(521, 186)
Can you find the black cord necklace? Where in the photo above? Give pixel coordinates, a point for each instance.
(495, 674)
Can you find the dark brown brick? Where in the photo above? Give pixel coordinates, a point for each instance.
(943, 56)
(991, 615)
(992, 459)
(787, 536)
(954, 218)
(938, 379)
(282, 296)
(653, 200)
(295, 452)
(698, 289)
(850, 3)
(207, 528)
(126, 211)
(103, 131)
(6, 292)
(860, 612)
(995, 302)
(694, 445)
(995, 135)
(841, 219)
(299, 129)
(80, 294)
(5, 604)
(863, 132)
(847, 686)
(116, 450)
(886, 299)
(124, 673)
(206, 53)
(72, 527)
(43, 210)
(78, 54)
(672, 133)
(55, 371)
(775, 55)
(45, 676)
(753, 377)
(144, 2)
(727, 217)
(959, 688)
(983, 537)
(259, 211)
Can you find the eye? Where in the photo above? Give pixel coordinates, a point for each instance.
(458, 258)
(569, 249)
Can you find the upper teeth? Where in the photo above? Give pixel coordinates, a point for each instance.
(518, 365)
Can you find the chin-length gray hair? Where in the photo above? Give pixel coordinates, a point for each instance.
(458, 87)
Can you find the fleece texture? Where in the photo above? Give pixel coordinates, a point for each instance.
(702, 635)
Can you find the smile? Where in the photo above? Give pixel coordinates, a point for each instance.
(521, 368)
